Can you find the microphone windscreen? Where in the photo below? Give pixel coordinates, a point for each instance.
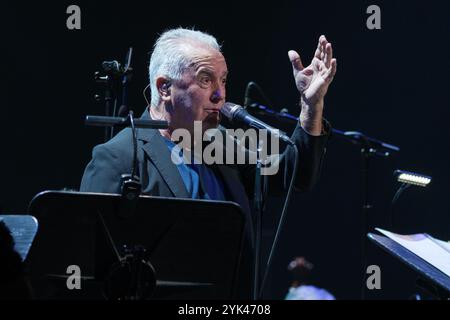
(229, 109)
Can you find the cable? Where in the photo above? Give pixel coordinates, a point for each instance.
(114, 114)
(145, 97)
(135, 160)
(280, 223)
(399, 192)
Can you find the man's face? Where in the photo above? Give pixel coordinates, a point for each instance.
(200, 94)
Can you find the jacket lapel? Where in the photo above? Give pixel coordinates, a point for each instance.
(157, 150)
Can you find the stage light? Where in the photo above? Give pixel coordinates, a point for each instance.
(407, 179)
(411, 178)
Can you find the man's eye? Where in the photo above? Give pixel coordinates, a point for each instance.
(205, 80)
(224, 81)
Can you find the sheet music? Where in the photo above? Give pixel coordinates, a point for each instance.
(435, 252)
(443, 244)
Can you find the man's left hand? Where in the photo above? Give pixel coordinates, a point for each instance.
(312, 82)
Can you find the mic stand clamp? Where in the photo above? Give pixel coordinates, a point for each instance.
(131, 186)
(130, 190)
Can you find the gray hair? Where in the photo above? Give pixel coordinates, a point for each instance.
(170, 60)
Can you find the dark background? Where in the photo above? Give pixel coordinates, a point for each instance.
(391, 84)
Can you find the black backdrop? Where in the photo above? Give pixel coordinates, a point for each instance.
(391, 84)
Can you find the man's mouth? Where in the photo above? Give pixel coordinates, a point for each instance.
(212, 110)
(212, 115)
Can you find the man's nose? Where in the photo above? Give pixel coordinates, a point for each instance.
(218, 95)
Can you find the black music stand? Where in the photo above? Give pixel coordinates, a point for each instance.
(430, 278)
(180, 248)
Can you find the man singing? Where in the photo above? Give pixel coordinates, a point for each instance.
(188, 76)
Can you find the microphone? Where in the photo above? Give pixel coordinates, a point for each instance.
(112, 67)
(237, 114)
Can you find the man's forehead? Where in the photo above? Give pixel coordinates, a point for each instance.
(209, 62)
(200, 53)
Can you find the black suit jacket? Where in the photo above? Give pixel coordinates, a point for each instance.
(159, 176)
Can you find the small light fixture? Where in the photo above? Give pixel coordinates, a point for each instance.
(407, 179)
(411, 178)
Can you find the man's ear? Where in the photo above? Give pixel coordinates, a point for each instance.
(163, 84)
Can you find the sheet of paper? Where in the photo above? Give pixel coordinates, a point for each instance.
(443, 244)
(425, 247)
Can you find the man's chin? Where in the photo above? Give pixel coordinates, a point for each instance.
(211, 122)
(210, 125)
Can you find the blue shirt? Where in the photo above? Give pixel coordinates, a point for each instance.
(200, 181)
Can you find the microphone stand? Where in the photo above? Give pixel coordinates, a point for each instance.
(134, 262)
(258, 201)
(129, 121)
(131, 187)
(121, 122)
(258, 217)
(126, 75)
(112, 73)
(109, 96)
(370, 148)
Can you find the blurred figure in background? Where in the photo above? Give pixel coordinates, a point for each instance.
(13, 282)
(300, 269)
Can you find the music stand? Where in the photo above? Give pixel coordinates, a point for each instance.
(193, 246)
(430, 278)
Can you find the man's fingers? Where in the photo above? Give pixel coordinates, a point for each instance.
(328, 55)
(331, 72)
(333, 67)
(295, 60)
(317, 53)
(321, 48)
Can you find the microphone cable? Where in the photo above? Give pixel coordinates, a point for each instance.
(280, 223)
